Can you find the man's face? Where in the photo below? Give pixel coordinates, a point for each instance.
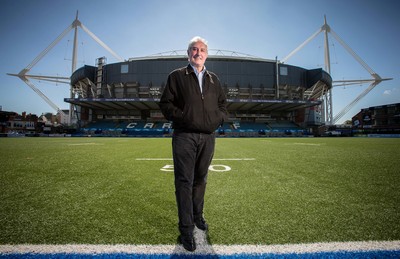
(198, 54)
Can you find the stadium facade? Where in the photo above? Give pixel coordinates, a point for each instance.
(263, 95)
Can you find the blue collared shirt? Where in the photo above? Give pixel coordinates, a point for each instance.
(199, 76)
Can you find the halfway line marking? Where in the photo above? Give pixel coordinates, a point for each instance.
(215, 159)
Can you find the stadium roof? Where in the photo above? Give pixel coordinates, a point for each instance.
(212, 54)
(152, 104)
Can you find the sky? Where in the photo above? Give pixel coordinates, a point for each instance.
(136, 28)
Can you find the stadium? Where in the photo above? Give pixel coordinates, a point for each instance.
(267, 198)
(264, 97)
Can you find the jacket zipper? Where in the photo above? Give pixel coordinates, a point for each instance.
(204, 112)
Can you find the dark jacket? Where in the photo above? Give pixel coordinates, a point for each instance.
(188, 108)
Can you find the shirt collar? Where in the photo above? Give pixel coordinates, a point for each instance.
(191, 69)
(195, 70)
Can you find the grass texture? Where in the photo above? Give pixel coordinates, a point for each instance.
(295, 190)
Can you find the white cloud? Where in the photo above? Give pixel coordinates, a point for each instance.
(387, 92)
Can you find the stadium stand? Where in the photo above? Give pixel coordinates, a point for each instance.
(163, 128)
(263, 98)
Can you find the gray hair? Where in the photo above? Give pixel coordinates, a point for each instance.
(197, 39)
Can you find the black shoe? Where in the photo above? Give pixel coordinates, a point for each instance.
(188, 242)
(201, 224)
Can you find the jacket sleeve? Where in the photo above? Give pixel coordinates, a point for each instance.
(169, 101)
(222, 102)
(222, 107)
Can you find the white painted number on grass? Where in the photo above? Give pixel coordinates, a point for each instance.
(215, 168)
(168, 168)
(219, 168)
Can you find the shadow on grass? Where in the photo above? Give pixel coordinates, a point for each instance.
(204, 247)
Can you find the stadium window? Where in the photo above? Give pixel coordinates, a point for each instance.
(124, 68)
(283, 71)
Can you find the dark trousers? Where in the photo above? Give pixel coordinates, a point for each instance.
(192, 153)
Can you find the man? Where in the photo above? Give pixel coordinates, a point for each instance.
(196, 104)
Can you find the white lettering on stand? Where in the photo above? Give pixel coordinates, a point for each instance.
(148, 125)
(131, 125)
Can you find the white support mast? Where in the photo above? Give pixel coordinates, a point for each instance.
(24, 76)
(73, 68)
(328, 94)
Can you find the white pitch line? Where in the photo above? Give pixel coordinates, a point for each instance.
(234, 159)
(215, 159)
(306, 144)
(204, 249)
(84, 144)
(154, 159)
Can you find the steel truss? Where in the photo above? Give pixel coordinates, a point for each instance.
(327, 97)
(24, 76)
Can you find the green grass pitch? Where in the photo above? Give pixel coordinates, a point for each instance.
(286, 190)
